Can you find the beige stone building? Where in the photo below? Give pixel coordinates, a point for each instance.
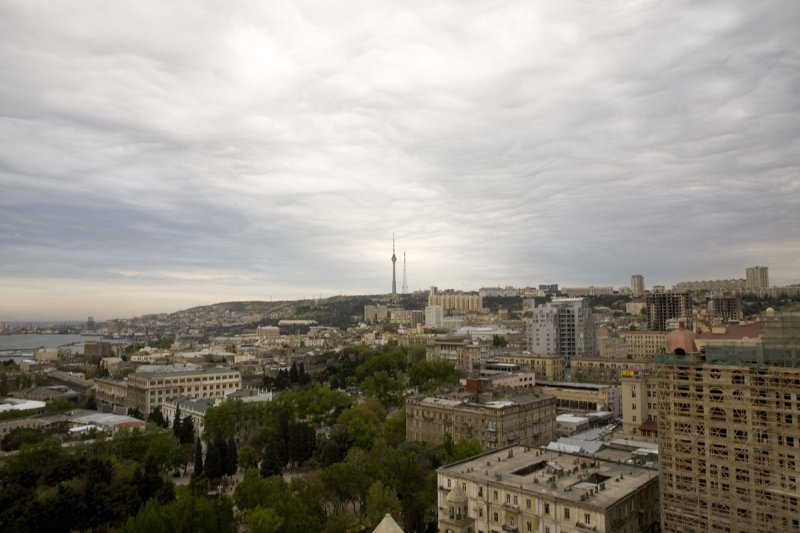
(640, 404)
(496, 419)
(457, 301)
(527, 490)
(146, 390)
(606, 370)
(460, 350)
(644, 344)
(550, 367)
(111, 394)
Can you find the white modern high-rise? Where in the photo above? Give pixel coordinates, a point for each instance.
(757, 278)
(637, 284)
(563, 326)
(433, 316)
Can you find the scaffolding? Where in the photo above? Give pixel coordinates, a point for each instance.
(729, 434)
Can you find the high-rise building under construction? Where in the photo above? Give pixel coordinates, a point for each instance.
(729, 434)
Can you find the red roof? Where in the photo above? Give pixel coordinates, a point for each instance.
(650, 425)
(734, 332)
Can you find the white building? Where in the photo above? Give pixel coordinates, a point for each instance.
(563, 326)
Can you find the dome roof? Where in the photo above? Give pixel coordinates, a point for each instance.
(680, 339)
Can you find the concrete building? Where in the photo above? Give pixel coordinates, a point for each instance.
(563, 326)
(757, 278)
(463, 352)
(458, 301)
(725, 308)
(591, 290)
(146, 389)
(639, 403)
(729, 433)
(496, 417)
(637, 285)
(433, 316)
(519, 489)
(644, 344)
(550, 367)
(604, 370)
(583, 398)
(268, 333)
(662, 306)
(717, 285)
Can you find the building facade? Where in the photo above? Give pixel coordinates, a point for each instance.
(637, 285)
(461, 351)
(146, 390)
(639, 403)
(757, 278)
(458, 301)
(495, 421)
(550, 367)
(527, 490)
(663, 306)
(563, 326)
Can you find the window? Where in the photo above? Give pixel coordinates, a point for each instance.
(566, 514)
(530, 527)
(480, 491)
(495, 495)
(508, 498)
(511, 522)
(494, 517)
(586, 518)
(516, 501)
(547, 508)
(448, 483)
(528, 503)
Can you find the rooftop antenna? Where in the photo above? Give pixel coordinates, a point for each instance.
(405, 285)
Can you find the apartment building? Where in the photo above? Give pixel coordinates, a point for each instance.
(460, 350)
(583, 397)
(563, 326)
(545, 366)
(604, 370)
(148, 389)
(520, 489)
(495, 418)
(643, 344)
(639, 403)
(729, 438)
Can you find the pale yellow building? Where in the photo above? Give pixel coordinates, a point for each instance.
(458, 301)
(550, 367)
(496, 420)
(581, 398)
(603, 370)
(462, 351)
(644, 344)
(640, 404)
(527, 490)
(146, 390)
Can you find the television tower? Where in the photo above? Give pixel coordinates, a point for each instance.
(394, 277)
(405, 285)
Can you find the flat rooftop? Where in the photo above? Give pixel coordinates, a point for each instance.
(557, 475)
(179, 372)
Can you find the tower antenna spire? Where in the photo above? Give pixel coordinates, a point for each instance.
(394, 277)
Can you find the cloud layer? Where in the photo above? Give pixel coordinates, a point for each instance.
(155, 156)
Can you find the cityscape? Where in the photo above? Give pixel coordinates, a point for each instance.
(379, 267)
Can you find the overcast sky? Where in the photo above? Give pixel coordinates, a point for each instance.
(158, 155)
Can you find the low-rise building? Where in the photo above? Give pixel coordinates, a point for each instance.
(606, 370)
(550, 367)
(640, 404)
(520, 489)
(463, 352)
(496, 418)
(581, 398)
(644, 344)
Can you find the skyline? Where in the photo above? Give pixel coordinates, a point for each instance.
(157, 157)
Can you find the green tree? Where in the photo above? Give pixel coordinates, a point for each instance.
(198, 457)
(263, 520)
(248, 457)
(380, 501)
(157, 417)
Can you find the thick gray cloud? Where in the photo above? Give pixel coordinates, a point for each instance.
(155, 156)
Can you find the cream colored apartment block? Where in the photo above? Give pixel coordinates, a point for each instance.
(583, 397)
(644, 344)
(606, 370)
(146, 390)
(111, 392)
(639, 405)
(527, 490)
(550, 367)
(461, 351)
(527, 418)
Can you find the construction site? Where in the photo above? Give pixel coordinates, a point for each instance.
(729, 434)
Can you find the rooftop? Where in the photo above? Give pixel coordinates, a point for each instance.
(576, 479)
